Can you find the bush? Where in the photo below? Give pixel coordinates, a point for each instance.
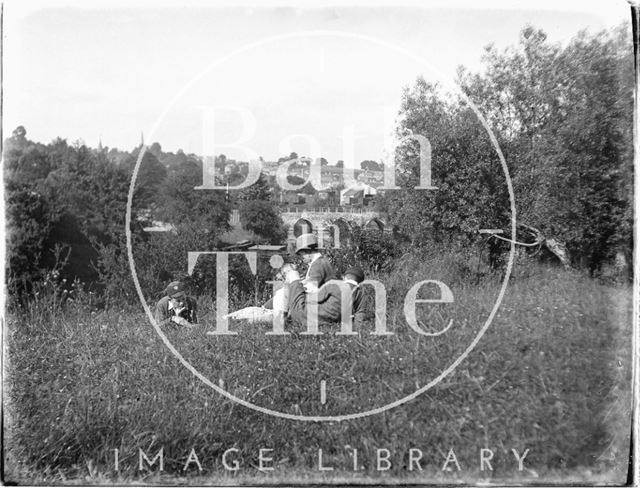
(262, 217)
(372, 250)
(162, 257)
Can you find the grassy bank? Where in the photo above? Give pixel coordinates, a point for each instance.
(552, 375)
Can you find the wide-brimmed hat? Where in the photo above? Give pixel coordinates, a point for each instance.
(356, 272)
(175, 289)
(306, 241)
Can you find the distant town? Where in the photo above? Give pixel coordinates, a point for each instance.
(347, 197)
(335, 189)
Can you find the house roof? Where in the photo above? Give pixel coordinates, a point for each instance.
(266, 247)
(357, 188)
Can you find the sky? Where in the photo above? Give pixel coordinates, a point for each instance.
(250, 79)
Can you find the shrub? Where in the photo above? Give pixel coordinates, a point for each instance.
(372, 250)
(262, 217)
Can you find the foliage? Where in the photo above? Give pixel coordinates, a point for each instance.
(79, 379)
(76, 197)
(371, 165)
(160, 258)
(182, 203)
(291, 156)
(198, 217)
(29, 222)
(151, 174)
(260, 190)
(58, 195)
(263, 218)
(562, 117)
(372, 250)
(307, 189)
(471, 191)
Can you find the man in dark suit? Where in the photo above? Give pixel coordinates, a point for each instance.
(329, 299)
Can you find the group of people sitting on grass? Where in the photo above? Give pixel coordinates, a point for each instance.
(319, 289)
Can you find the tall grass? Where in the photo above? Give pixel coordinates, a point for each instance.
(552, 375)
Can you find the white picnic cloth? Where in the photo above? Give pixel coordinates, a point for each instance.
(252, 314)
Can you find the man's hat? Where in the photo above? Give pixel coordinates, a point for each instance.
(306, 241)
(356, 272)
(175, 289)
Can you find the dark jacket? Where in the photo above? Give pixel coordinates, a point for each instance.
(164, 313)
(329, 299)
(320, 271)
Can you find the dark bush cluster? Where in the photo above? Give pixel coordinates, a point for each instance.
(71, 197)
(373, 250)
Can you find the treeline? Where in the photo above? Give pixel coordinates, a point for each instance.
(562, 116)
(66, 207)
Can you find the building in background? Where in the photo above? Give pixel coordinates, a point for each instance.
(359, 194)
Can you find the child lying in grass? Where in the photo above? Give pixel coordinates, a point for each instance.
(176, 307)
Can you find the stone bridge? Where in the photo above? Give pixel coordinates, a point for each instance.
(332, 225)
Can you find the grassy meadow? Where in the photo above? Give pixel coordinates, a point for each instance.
(552, 375)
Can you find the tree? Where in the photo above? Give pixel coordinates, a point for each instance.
(89, 187)
(59, 197)
(29, 222)
(518, 95)
(471, 191)
(592, 148)
(25, 163)
(290, 157)
(19, 132)
(307, 189)
(260, 190)
(151, 174)
(563, 119)
(262, 217)
(156, 150)
(181, 203)
(18, 138)
(369, 165)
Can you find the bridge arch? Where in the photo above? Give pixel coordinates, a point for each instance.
(302, 226)
(333, 226)
(375, 224)
(340, 232)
